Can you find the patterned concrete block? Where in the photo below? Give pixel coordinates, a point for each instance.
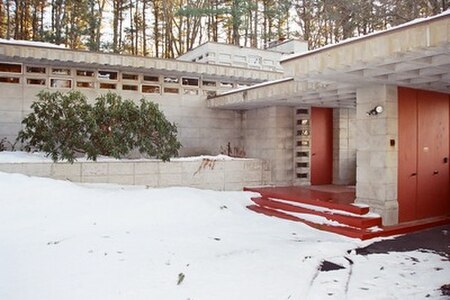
(121, 179)
(170, 167)
(94, 169)
(170, 179)
(66, 169)
(94, 179)
(120, 168)
(151, 180)
(11, 168)
(37, 169)
(146, 167)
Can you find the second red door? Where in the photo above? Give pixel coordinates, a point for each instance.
(321, 145)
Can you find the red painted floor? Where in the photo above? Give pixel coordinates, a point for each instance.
(328, 193)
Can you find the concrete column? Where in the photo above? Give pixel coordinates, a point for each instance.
(268, 134)
(376, 145)
(344, 149)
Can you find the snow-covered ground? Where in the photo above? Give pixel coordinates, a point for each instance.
(40, 157)
(60, 240)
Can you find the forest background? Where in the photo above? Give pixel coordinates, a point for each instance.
(169, 28)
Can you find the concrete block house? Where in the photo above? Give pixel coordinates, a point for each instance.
(373, 111)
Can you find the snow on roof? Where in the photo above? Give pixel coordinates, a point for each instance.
(353, 39)
(256, 86)
(31, 43)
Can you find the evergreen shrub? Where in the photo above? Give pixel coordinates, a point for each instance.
(65, 126)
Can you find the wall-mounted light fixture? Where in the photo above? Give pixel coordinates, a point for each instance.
(375, 111)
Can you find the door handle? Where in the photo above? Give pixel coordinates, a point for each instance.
(435, 172)
(313, 154)
(413, 174)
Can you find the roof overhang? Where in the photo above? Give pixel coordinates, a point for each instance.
(415, 55)
(67, 57)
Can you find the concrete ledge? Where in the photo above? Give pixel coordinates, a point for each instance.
(205, 173)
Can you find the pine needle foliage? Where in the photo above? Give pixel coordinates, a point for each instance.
(66, 126)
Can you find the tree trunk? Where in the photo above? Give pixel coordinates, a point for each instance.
(144, 29)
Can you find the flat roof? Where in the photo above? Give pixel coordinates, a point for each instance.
(37, 53)
(367, 36)
(416, 55)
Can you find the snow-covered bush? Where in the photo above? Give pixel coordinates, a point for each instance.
(65, 125)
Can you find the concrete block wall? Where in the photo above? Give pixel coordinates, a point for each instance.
(201, 131)
(376, 156)
(344, 147)
(205, 174)
(11, 111)
(268, 134)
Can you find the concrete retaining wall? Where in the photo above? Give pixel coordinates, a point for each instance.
(205, 174)
(268, 134)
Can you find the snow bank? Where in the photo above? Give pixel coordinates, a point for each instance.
(61, 240)
(39, 157)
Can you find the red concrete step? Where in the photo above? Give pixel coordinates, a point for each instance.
(339, 201)
(353, 221)
(413, 226)
(352, 232)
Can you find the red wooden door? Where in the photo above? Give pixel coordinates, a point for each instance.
(321, 145)
(423, 154)
(432, 149)
(407, 154)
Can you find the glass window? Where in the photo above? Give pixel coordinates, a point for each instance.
(168, 90)
(208, 83)
(38, 70)
(303, 143)
(190, 92)
(61, 83)
(60, 71)
(108, 86)
(242, 85)
(226, 84)
(254, 60)
(240, 58)
(302, 165)
(189, 81)
(302, 154)
(151, 89)
(303, 122)
(126, 76)
(85, 73)
(10, 68)
(85, 84)
(169, 79)
(129, 87)
(36, 81)
(151, 78)
(4, 79)
(223, 56)
(303, 132)
(107, 75)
